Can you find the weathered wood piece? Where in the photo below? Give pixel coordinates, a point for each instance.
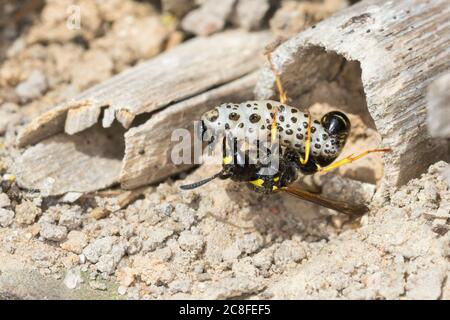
(87, 161)
(180, 73)
(81, 152)
(148, 147)
(388, 50)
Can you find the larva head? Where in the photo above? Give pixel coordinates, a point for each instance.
(336, 123)
(208, 124)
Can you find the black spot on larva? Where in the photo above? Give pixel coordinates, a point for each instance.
(268, 121)
(227, 126)
(299, 136)
(255, 104)
(281, 118)
(229, 106)
(249, 105)
(305, 125)
(289, 132)
(315, 153)
(269, 106)
(212, 115)
(287, 142)
(318, 146)
(297, 145)
(142, 152)
(288, 125)
(327, 145)
(234, 116)
(282, 108)
(306, 115)
(313, 129)
(254, 118)
(255, 108)
(271, 115)
(316, 121)
(324, 137)
(262, 127)
(241, 125)
(294, 119)
(294, 110)
(280, 129)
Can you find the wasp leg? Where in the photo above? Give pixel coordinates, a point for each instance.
(351, 159)
(308, 141)
(283, 97)
(281, 91)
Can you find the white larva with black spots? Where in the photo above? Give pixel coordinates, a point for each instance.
(254, 119)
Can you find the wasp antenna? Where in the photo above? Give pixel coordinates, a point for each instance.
(200, 183)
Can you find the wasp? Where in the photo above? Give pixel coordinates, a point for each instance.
(297, 145)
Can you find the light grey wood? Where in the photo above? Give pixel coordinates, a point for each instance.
(84, 162)
(181, 73)
(388, 50)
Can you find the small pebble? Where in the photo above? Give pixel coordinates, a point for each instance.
(6, 217)
(122, 290)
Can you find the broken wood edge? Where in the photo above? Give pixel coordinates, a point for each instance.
(394, 77)
(84, 162)
(48, 124)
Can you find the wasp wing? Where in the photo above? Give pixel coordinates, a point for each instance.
(347, 208)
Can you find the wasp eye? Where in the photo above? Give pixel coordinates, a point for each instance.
(336, 123)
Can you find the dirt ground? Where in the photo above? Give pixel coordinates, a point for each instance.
(217, 242)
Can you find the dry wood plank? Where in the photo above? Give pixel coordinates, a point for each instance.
(389, 50)
(148, 147)
(180, 73)
(84, 162)
(188, 77)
